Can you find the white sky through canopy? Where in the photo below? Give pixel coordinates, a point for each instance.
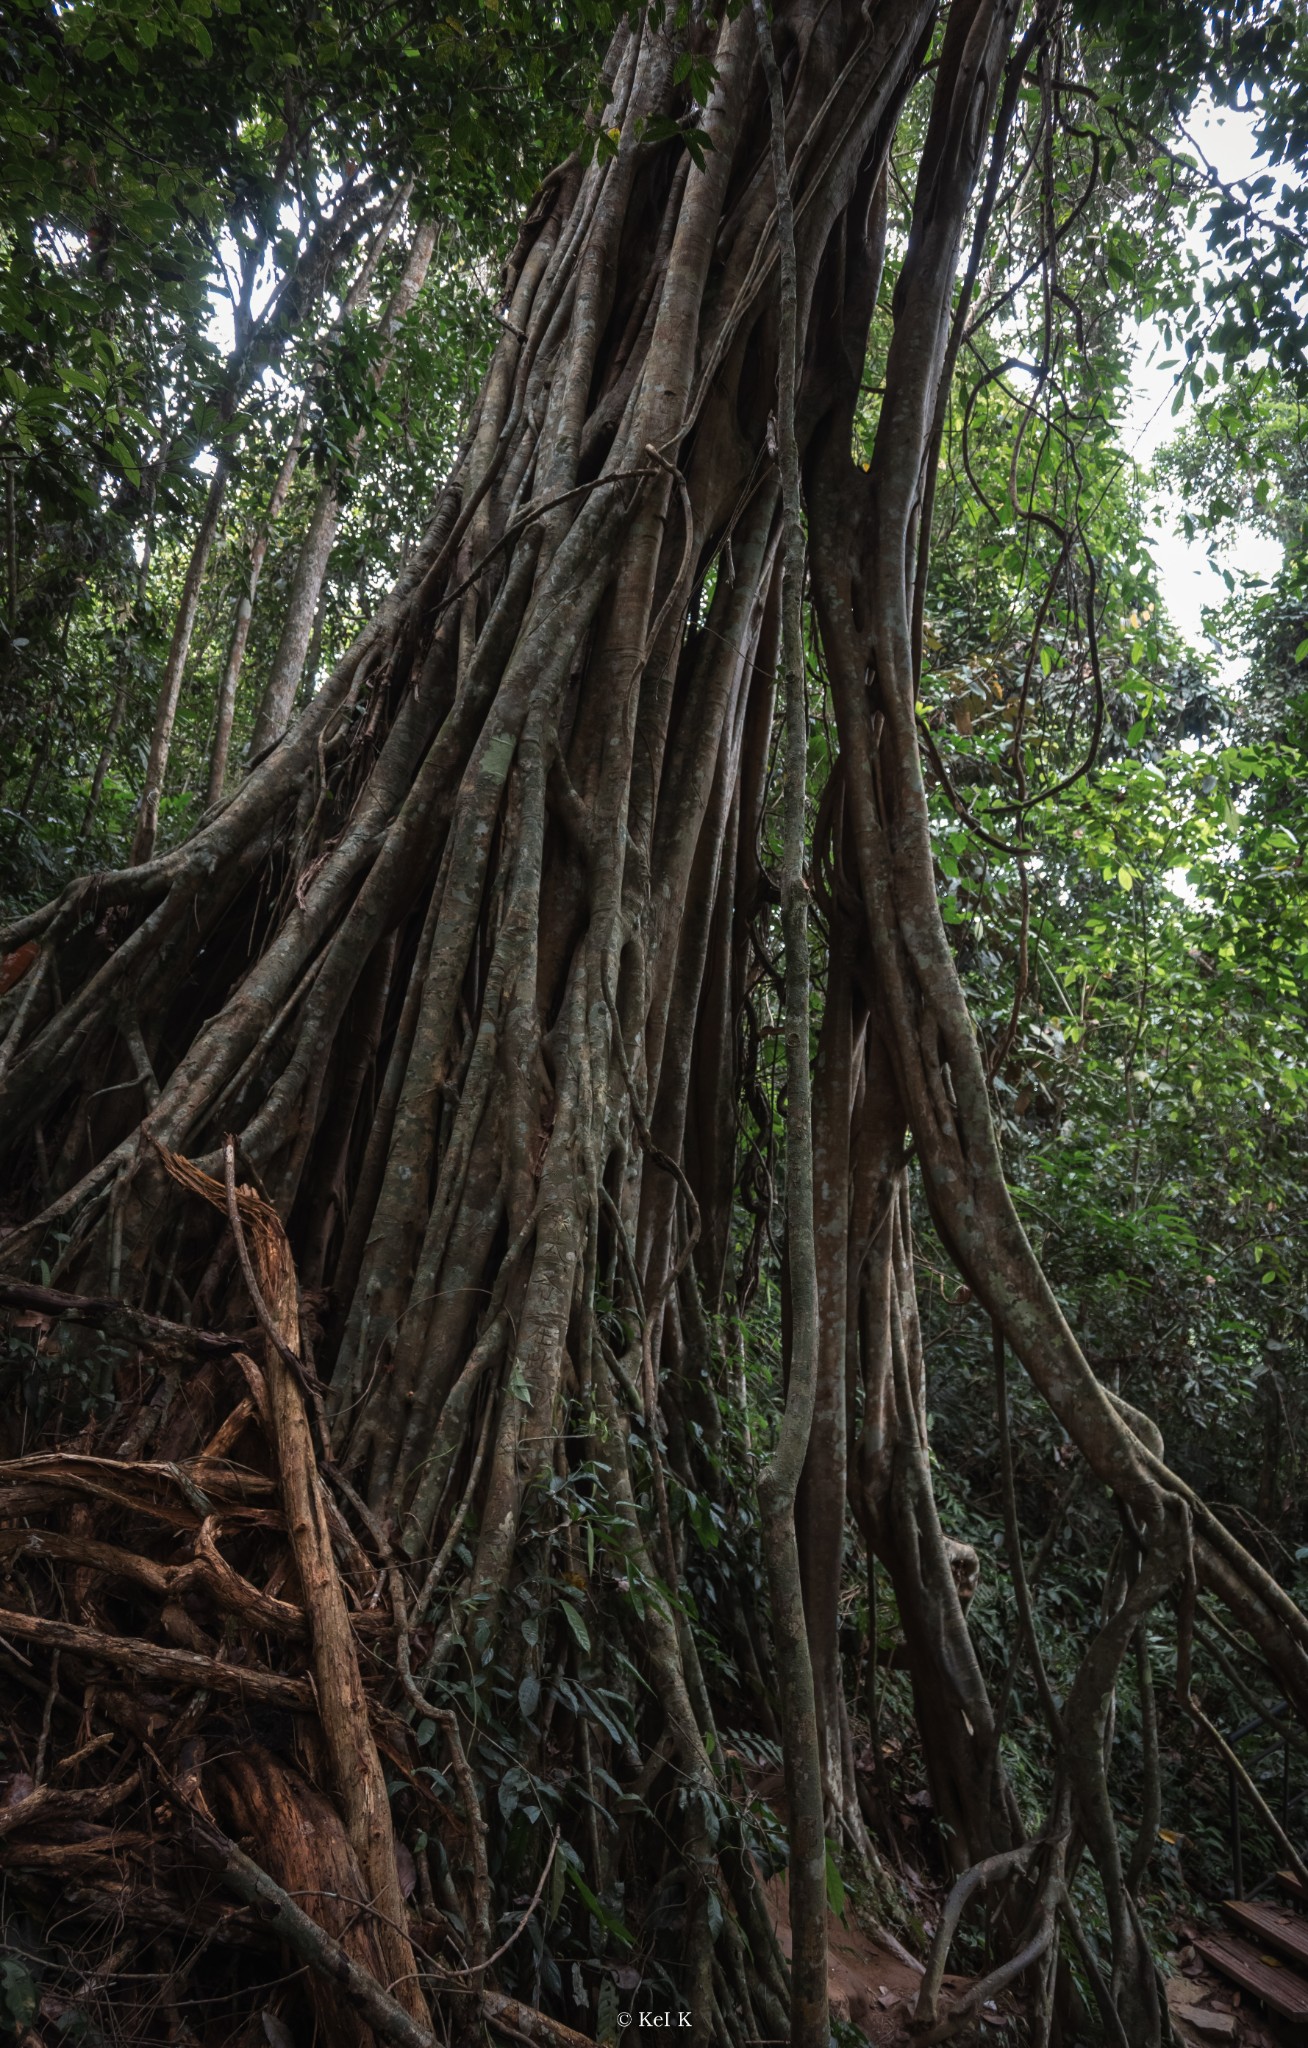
(1190, 572)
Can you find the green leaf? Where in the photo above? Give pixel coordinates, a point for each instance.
(529, 1695)
(576, 1624)
(126, 461)
(608, 1921)
(606, 2013)
(558, 1879)
(514, 1786)
(17, 1991)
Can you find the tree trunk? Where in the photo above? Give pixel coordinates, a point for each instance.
(894, 1497)
(119, 707)
(225, 708)
(821, 1505)
(315, 549)
(117, 712)
(307, 276)
(170, 689)
(778, 1482)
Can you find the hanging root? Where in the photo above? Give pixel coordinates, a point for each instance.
(1034, 1943)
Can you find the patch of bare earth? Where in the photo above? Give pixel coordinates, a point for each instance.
(869, 1984)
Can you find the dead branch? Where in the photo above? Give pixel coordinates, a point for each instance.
(152, 1660)
(117, 1319)
(314, 1946)
(342, 1702)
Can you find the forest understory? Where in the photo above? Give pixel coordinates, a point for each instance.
(651, 1042)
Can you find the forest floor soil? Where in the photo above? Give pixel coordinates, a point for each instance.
(869, 1985)
(1209, 2013)
(874, 1989)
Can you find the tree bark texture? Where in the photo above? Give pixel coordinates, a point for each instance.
(779, 1481)
(460, 968)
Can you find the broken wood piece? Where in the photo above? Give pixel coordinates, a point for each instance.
(117, 1319)
(168, 1666)
(314, 1946)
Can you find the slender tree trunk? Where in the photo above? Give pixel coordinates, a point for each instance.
(116, 714)
(779, 1481)
(821, 1505)
(225, 709)
(46, 720)
(315, 549)
(309, 275)
(161, 738)
(170, 689)
(11, 546)
(119, 707)
(895, 1499)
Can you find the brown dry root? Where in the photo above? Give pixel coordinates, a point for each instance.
(474, 965)
(151, 1752)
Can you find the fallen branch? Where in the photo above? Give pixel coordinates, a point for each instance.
(305, 1938)
(107, 1847)
(123, 1902)
(315, 1947)
(105, 1312)
(207, 1572)
(202, 1483)
(532, 2025)
(152, 1660)
(44, 1803)
(341, 1699)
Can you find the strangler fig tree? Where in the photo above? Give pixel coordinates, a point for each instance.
(411, 1082)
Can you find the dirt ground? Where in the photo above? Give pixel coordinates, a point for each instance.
(874, 1988)
(869, 1984)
